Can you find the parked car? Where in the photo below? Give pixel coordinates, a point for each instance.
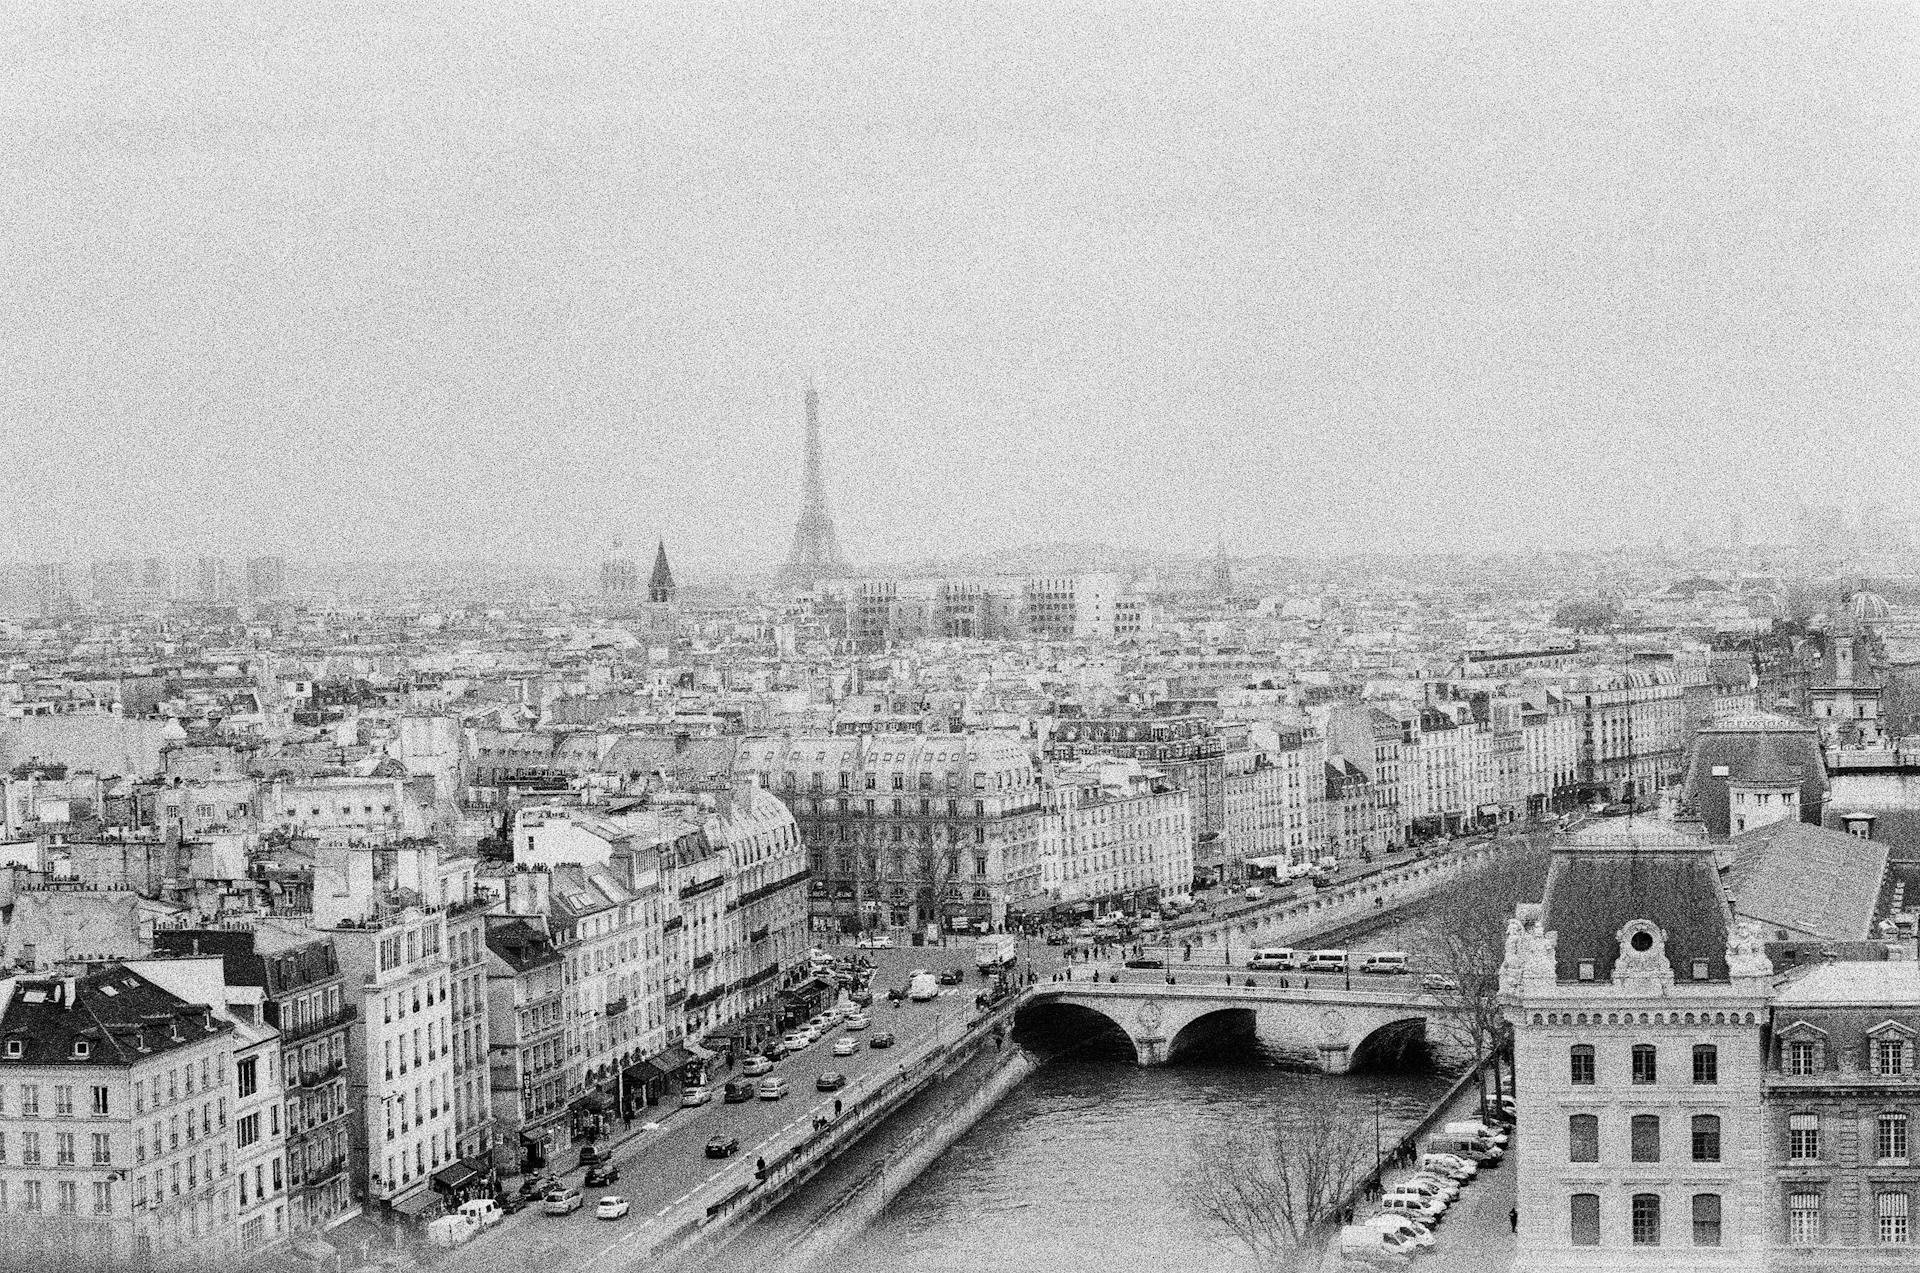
(538, 1186)
(1475, 1127)
(510, 1203)
(794, 1040)
(1409, 1230)
(1146, 963)
(1435, 984)
(699, 1094)
(611, 1207)
(776, 1050)
(1327, 961)
(1444, 1186)
(831, 1081)
(883, 1039)
(723, 1146)
(754, 1066)
(563, 1201)
(589, 1155)
(736, 1091)
(875, 941)
(1450, 1164)
(845, 1045)
(858, 1021)
(1363, 1244)
(603, 1175)
(1416, 1205)
(772, 1087)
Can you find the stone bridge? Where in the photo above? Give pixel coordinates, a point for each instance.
(1336, 1029)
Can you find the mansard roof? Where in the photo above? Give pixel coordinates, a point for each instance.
(1825, 884)
(1597, 888)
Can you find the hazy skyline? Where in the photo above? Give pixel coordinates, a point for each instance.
(379, 280)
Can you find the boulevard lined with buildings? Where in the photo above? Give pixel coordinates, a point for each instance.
(323, 914)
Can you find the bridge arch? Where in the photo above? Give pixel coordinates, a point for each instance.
(1218, 1026)
(1049, 1024)
(1387, 1045)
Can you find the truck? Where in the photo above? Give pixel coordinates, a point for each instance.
(995, 950)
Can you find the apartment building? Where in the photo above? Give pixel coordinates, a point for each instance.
(302, 997)
(116, 1145)
(1639, 1009)
(1842, 1093)
(908, 830)
(529, 1078)
(1116, 835)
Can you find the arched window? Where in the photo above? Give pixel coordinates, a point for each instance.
(1646, 1219)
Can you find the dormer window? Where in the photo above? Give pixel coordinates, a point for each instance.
(1890, 1049)
(82, 1049)
(1699, 970)
(16, 1048)
(1586, 970)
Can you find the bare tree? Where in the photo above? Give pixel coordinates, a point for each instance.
(1463, 938)
(936, 868)
(1265, 1184)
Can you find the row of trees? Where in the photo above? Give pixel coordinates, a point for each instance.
(1265, 1185)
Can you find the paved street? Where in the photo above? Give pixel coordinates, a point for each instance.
(663, 1166)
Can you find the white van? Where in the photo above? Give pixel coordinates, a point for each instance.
(1274, 959)
(923, 987)
(452, 1230)
(1474, 1127)
(1477, 1149)
(1386, 962)
(1254, 892)
(1327, 961)
(484, 1211)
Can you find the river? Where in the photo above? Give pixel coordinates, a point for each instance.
(1076, 1169)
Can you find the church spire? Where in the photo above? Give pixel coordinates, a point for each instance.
(660, 587)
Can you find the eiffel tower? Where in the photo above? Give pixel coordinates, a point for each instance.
(816, 548)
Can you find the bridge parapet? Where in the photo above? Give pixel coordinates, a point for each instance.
(1332, 1027)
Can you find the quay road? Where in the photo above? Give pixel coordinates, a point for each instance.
(664, 1170)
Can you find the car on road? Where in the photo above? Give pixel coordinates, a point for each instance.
(794, 1040)
(754, 1066)
(603, 1175)
(776, 1050)
(1146, 963)
(611, 1207)
(534, 1188)
(858, 1021)
(699, 1094)
(563, 1201)
(737, 1090)
(950, 977)
(883, 1039)
(844, 1045)
(875, 941)
(722, 1146)
(1434, 983)
(772, 1087)
(831, 1081)
(590, 1155)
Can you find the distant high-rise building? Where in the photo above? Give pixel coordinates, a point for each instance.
(115, 583)
(660, 586)
(816, 548)
(266, 578)
(156, 579)
(52, 587)
(213, 580)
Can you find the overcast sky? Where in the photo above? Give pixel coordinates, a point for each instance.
(398, 279)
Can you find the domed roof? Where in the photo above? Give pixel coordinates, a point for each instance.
(1867, 607)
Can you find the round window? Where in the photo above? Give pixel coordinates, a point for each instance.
(1641, 941)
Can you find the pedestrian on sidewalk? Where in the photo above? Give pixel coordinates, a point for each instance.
(1513, 1218)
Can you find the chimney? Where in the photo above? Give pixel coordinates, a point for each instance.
(1860, 824)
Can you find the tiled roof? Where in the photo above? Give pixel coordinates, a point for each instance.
(1744, 746)
(120, 1015)
(1892, 982)
(1808, 879)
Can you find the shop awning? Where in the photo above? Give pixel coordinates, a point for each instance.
(644, 1072)
(455, 1176)
(671, 1060)
(418, 1205)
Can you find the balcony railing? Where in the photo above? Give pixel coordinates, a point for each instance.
(307, 1029)
(324, 1172)
(315, 1076)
